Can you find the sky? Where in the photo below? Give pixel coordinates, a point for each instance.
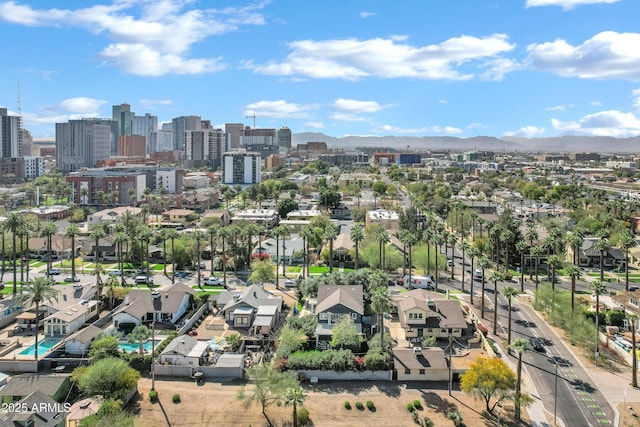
(530, 68)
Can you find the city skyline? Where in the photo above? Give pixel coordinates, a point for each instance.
(532, 68)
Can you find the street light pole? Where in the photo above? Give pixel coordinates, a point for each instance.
(555, 395)
(450, 363)
(153, 350)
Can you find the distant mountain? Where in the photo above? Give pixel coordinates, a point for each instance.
(563, 144)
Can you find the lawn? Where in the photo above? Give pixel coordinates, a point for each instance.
(209, 288)
(158, 267)
(318, 270)
(294, 269)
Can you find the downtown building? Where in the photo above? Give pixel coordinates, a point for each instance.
(81, 143)
(204, 148)
(15, 144)
(241, 168)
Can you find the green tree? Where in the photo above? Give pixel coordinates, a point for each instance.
(331, 234)
(496, 276)
(488, 379)
(139, 335)
(294, 397)
(555, 262)
(109, 377)
(72, 231)
(262, 271)
(13, 224)
(381, 303)
(345, 333)
(602, 245)
(286, 206)
(625, 242)
(291, 340)
(520, 346)
(269, 387)
(105, 347)
(35, 292)
(234, 340)
(597, 288)
(573, 271)
(509, 292)
(357, 236)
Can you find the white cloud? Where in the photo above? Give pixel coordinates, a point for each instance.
(636, 99)
(314, 125)
(152, 104)
(279, 109)
(608, 55)
(566, 4)
(355, 106)
(596, 103)
(443, 101)
(353, 59)
(348, 117)
(68, 109)
(527, 132)
(604, 123)
(147, 37)
(498, 68)
(559, 107)
(366, 14)
(391, 130)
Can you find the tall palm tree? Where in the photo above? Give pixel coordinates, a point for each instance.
(509, 292)
(198, 236)
(72, 231)
(225, 234)
(212, 231)
(172, 235)
(112, 282)
(555, 262)
(411, 240)
(536, 251)
(145, 234)
(453, 240)
(307, 234)
(278, 233)
(47, 231)
(13, 223)
(294, 397)
(473, 254)
(603, 246)
(464, 247)
(437, 242)
(382, 237)
(531, 235)
(427, 236)
(574, 240)
(97, 233)
(634, 352)
(381, 303)
(597, 288)
(521, 246)
(35, 292)
(505, 238)
(520, 346)
(357, 236)
(496, 276)
(331, 234)
(120, 238)
(98, 271)
(483, 263)
(573, 271)
(625, 242)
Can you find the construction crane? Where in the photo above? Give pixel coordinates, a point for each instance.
(254, 119)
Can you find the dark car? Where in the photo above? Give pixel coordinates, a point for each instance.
(53, 272)
(537, 344)
(71, 279)
(559, 361)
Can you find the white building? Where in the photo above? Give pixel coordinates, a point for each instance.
(33, 167)
(241, 167)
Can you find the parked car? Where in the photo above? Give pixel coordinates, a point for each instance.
(143, 279)
(115, 273)
(449, 263)
(212, 281)
(53, 271)
(72, 279)
(290, 283)
(477, 274)
(556, 279)
(633, 288)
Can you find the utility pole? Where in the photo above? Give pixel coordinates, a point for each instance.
(254, 119)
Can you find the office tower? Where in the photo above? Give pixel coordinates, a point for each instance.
(10, 135)
(284, 139)
(241, 167)
(204, 148)
(263, 141)
(124, 117)
(80, 143)
(233, 131)
(161, 140)
(145, 125)
(132, 146)
(179, 127)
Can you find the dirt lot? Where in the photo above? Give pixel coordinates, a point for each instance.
(215, 404)
(629, 414)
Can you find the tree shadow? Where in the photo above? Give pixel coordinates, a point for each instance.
(166, 416)
(388, 388)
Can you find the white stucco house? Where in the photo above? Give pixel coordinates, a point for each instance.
(79, 342)
(185, 351)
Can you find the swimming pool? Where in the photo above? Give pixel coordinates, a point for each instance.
(134, 347)
(44, 345)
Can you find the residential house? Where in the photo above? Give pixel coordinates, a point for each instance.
(39, 411)
(60, 247)
(420, 364)
(222, 215)
(333, 303)
(359, 180)
(182, 216)
(265, 320)
(185, 351)
(82, 409)
(55, 386)
(589, 256)
(390, 220)
(267, 217)
(112, 215)
(304, 214)
(422, 316)
(240, 308)
(70, 319)
(341, 247)
(141, 306)
(292, 245)
(79, 342)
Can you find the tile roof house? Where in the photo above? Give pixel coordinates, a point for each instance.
(421, 315)
(141, 306)
(333, 303)
(240, 307)
(420, 364)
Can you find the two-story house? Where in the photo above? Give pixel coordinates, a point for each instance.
(333, 303)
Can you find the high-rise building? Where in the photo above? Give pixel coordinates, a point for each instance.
(10, 135)
(145, 125)
(179, 127)
(204, 148)
(263, 141)
(284, 139)
(233, 131)
(124, 116)
(241, 167)
(161, 140)
(132, 146)
(81, 143)
(33, 167)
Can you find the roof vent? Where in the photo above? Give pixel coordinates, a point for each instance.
(155, 294)
(417, 351)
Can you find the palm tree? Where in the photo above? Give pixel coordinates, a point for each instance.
(98, 271)
(13, 223)
(97, 233)
(536, 251)
(72, 231)
(307, 234)
(120, 238)
(574, 240)
(634, 352)
(531, 235)
(603, 246)
(331, 234)
(496, 276)
(555, 262)
(483, 263)
(294, 397)
(381, 303)
(145, 234)
(520, 346)
(473, 253)
(573, 271)
(626, 242)
(172, 234)
(427, 236)
(437, 242)
(357, 236)
(224, 233)
(382, 237)
(37, 291)
(453, 240)
(411, 240)
(464, 247)
(279, 232)
(112, 282)
(212, 231)
(521, 246)
(49, 230)
(505, 237)
(509, 292)
(598, 288)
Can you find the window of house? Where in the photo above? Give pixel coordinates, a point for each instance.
(422, 372)
(407, 371)
(323, 316)
(419, 315)
(354, 316)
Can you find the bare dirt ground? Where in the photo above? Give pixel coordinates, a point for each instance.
(215, 404)
(629, 414)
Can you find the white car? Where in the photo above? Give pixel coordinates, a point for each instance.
(290, 283)
(212, 281)
(143, 279)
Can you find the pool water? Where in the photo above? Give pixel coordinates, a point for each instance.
(44, 345)
(134, 347)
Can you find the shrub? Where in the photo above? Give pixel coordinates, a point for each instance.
(303, 416)
(410, 407)
(428, 422)
(370, 405)
(455, 415)
(347, 405)
(175, 398)
(417, 404)
(360, 406)
(415, 417)
(153, 396)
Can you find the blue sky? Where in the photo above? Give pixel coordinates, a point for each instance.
(461, 68)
